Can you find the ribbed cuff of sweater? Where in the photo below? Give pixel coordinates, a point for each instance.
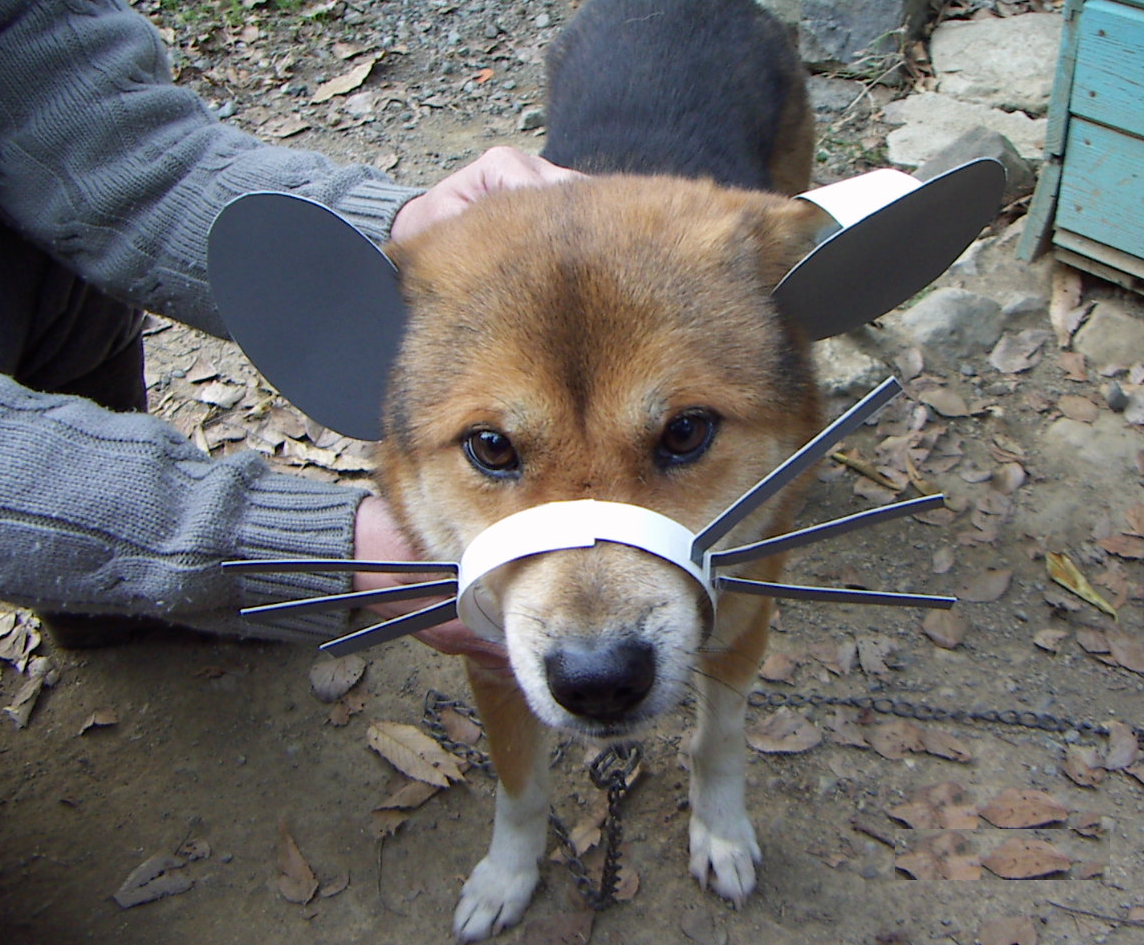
(372, 204)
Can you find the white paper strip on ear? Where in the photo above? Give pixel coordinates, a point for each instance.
(854, 199)
(560, 525)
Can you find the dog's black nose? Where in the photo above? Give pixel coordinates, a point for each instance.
(601, 682)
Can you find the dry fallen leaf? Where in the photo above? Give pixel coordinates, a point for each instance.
(1124, 546)
(1019, 858)
(844, 728)
(221, 394)
(1078, 408)
(1127, 650)
(1123, 748)
(413, 753)
(343, 83)
(296, 881)
(331, 679)
(944, 745)
(1016, 353)
(896, 739)
(1049, 639)
(1068, 575)
(100, 718)
(1017, 807)
(988, 586)
(946, 402)
(1082, 765)
(784, 732)
(945, 628)
(153, 879)
(460, 728)
(1065, 309)
(778, 667)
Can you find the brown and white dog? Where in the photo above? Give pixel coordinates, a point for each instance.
(614, 338)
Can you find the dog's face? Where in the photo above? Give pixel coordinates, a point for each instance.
(609, 339)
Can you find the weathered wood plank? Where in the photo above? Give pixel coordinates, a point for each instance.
(1102, 187)
(1108, 85)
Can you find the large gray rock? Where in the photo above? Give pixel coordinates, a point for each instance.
(981, 142)
(1111, 336)
(851, 36)
(1003, 62)
(931, 121)
(953, 322)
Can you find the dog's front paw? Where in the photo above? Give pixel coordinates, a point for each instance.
(493, 899)
(724, 859)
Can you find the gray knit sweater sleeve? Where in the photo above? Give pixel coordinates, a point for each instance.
(117, 513)
(118, 172)
(113, 169)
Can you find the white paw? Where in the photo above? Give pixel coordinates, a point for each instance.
(725, 859)
(492, 899)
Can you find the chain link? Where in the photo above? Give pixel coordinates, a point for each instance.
(922, 712)
(611, 771)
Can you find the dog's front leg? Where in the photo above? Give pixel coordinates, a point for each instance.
(499, 888)
(724, 850)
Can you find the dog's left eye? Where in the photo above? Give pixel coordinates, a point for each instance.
(492, 453)
(686, 437)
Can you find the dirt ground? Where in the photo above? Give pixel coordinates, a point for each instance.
(215, 743)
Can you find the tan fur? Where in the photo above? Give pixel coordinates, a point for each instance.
(578, 320)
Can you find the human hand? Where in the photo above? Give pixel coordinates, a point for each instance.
(500, 168)
(377, 538)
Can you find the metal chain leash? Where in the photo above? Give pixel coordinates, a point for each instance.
(611, 771)
(922, 712)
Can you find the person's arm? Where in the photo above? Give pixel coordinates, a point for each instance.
(104, 512)
(119, 173)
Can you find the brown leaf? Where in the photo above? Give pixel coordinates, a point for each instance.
(460, 728)
(1010, 930)
(946, 402)
(413, 753)
(1124, 546)
(1008, 478)
(1015, 807)
(918, 865)
(386, 823)
(1065, 309)
(1019, 858)
(988, 586)
(778, 667)
(1093, 641)
(336, 885)
(1016, 353)
(959, 817)
(896, 739)
(784, 732)
(945, 628)
(296, 882)
(844, 728)
(1127, 650)
(330, 679)
(1134, 517)
(412, 794)
(153, 879)
(343, 83)
(872, 654)
(943, 745)
(100, 718)
(1123, 748)
(917, 815)
(1049, 639)
(1083, 766)
(1078, 408)
(1073, 364)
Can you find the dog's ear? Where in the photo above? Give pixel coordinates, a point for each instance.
(892, 236)
(313, 303)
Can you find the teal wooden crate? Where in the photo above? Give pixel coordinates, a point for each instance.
(1089, 204)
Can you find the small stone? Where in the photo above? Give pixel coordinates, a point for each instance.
(531, 119)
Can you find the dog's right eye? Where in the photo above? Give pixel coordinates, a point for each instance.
(491, 452)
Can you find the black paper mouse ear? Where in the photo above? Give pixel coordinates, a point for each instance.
(313, 303)
(896, 235)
